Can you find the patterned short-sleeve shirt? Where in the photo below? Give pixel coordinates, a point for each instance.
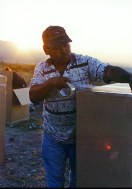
(59, 115)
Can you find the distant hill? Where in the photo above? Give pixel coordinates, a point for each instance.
(129, 69)
(10, 53)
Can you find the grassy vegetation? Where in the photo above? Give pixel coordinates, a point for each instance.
(25, 70)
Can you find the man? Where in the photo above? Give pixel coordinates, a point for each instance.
(59, 114)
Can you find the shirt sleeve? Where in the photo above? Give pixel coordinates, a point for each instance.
(38, 77)
(96, 69)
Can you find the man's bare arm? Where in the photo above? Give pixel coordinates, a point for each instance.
(39, 92)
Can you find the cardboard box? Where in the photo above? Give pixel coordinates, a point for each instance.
(17, 101)
(2, 117)
(104, 133)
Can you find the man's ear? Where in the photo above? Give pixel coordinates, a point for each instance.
(46, 50)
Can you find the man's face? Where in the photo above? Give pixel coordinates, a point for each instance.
(61, 53)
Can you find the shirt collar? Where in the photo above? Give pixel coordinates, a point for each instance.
(73, 60)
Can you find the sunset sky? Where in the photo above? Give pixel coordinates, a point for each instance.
(99, 28)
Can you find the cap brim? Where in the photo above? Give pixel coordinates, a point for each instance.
(59, 41)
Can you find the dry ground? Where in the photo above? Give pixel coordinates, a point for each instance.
(23, 166)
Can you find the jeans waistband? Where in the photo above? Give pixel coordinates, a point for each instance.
(60, 113)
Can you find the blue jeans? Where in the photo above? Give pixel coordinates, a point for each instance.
(55, 156)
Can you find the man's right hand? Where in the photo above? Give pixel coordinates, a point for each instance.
(58, 82)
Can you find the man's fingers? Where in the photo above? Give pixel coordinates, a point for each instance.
(66, 79)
